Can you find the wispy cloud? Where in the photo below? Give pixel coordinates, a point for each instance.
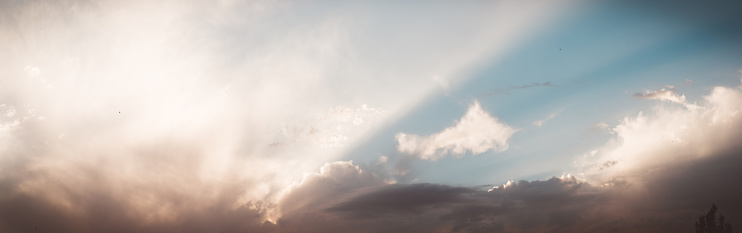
(669, 95)
(541, 122)
(442, 82)
(506, 90)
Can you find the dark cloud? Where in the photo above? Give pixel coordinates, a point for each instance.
(348, 198)
(555, 204)
(105, 207)
(401, 199)
(666, 199)
(344, 197)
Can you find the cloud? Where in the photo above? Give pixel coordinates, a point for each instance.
(662, 170)
(669, 95)
(555, 205)
(665, 201)
(540, 123)
(600, 126)
(169, 116)
(477, 131)
(443, 83)
(510, 88)
(333, 129)
(668, 135)
(333, 179)
(153, 142)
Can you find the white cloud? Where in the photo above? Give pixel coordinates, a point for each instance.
(670, 135)
(33, 71)
(334, 129)
(669, 95)
(320, 187)
(600, 126)
(477, 131)
(8, 111)
(382, 159)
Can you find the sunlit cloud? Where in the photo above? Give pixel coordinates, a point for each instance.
(671, 135)
(668, 95)
(477, 131)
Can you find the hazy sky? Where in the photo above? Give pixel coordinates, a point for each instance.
(369, 116)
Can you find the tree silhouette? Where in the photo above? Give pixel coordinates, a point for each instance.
(707, 224)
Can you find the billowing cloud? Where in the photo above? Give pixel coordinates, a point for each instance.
(477, 131)
(669, 135)
(333, 179)
(559, 204)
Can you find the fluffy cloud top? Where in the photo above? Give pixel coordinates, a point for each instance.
(669, 135)
(477, 131)
(318, 188)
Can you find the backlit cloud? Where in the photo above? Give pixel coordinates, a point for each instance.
(669, 135)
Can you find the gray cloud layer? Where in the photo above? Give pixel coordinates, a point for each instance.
(664, 200)
(346, 198)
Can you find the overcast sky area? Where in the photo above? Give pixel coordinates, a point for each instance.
(369, 116)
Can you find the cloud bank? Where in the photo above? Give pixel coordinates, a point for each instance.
(477, 131)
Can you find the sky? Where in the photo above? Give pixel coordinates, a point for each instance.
(369, 116)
